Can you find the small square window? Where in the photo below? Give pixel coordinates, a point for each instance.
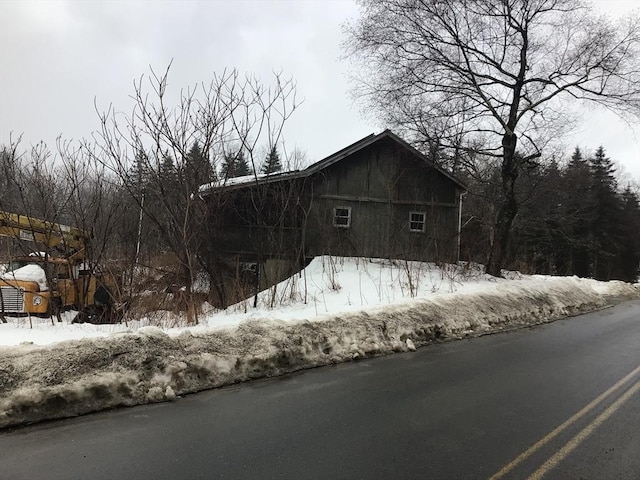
(417, 221)
(342, 217)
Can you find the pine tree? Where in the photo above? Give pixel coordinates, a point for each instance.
(629, 254)
(167, 175)
(227, 169)
(139, 173)
(162, 188)
(606, 208)
(197, 168)
(272, 163)
(241, 166)
(544, 222)
(576, 216)
(234, 165)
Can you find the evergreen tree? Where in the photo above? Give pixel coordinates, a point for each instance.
(163, 199)
(139, 173)
(133, 222)
(576, 216)
(197, 168)
(241, 165)
(540, 219)
(167, 176)
(227, 169)
(234, 165)
(605, 235)
(272, 163)
(571, 220)
(554, 195)
(629, 255)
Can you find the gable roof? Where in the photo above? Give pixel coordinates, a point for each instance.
(241, 182)
(370, 140)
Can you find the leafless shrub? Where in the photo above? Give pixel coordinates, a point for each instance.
(163, 154)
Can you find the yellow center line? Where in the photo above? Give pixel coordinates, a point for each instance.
(543, 441)
(572, 444)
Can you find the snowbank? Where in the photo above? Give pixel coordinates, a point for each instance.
(79, 376)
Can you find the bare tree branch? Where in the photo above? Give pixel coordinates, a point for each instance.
(492, 75)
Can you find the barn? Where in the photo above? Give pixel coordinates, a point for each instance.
(376, 198)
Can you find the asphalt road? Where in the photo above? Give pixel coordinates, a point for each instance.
(463, 410)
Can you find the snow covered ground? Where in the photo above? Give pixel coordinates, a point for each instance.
(336, 310)
(329, 286)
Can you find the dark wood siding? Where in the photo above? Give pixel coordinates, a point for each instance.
(262, 221)
(382, 184)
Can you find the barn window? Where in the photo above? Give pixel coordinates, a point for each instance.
(417, 221)
(342, 217)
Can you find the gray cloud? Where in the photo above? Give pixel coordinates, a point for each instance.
(56, 57)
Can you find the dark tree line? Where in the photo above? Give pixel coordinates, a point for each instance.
(156, 196)
(574, 219)
(236, 165)
(272, 163)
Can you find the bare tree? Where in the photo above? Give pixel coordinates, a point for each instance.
(499, 77)
(180, 143)
(56, 191)
(37, 192)
(296, 159)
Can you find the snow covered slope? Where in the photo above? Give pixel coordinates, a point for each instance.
(335, 311)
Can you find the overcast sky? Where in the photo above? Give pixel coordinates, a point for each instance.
(56, 57)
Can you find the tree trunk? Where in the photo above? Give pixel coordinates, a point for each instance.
(508, 207)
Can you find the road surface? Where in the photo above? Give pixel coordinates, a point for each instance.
(559, 401)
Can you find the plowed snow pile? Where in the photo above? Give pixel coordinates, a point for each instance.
(334, 311)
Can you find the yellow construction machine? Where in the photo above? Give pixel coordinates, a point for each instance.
(56, 274)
